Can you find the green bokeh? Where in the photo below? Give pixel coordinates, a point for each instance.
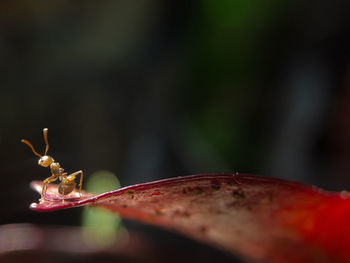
(101, 228)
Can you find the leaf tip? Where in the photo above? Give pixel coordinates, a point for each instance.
(33, 206)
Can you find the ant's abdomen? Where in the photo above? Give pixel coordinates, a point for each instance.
(66, 188)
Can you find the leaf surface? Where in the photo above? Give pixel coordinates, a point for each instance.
(261, 219)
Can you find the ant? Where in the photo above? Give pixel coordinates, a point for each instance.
(67, 184)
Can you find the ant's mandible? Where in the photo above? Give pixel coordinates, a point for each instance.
(67, 184)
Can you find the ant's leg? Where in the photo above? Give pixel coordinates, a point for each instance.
(71, 177)
(46, 182)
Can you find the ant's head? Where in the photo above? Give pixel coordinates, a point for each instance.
(45, 160)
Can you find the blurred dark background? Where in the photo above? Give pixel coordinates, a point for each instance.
(155, 89)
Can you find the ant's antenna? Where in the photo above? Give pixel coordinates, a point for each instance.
(46, 141)
(31, 147)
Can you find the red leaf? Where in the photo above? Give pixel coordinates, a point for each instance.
(262, 219)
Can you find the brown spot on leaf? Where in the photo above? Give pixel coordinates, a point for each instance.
(180, 213)
(215, 184)
(195, 190)
(203, 229)
(232, 183)
(238, 193)
(158, 211)
(198, 191)
(129, 192)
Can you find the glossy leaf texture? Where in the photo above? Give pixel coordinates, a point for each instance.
(259, 218)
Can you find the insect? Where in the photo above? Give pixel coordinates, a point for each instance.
(67, 184)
